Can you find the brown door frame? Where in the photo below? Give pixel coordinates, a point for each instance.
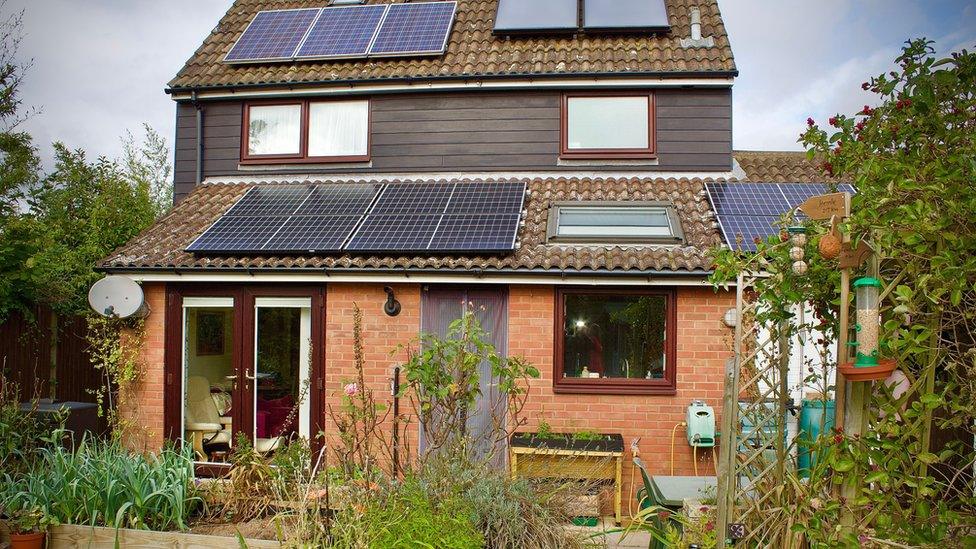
(243, 352)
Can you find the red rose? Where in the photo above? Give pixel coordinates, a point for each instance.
(810, 122)
(865, 86)
(832, 120)
(838, 439)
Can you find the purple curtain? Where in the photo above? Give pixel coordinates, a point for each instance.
(439, 308)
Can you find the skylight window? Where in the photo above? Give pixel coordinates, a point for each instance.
(615, 222)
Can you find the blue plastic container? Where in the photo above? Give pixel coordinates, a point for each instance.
(816, 418)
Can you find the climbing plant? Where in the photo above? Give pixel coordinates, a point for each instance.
(907, 476)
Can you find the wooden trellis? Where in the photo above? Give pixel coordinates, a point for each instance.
(755, 452)
(756, 457)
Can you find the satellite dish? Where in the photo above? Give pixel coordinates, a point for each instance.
(118, 296)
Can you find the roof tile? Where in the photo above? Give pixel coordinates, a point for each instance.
(472, 51)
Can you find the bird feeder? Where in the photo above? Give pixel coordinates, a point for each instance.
(866, 296)
(867, 365)
(798, 237)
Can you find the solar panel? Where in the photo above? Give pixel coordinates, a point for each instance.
(342, 32)
(748, 199)
(624, 15)
(753, 210)
(749, 228)
(272, 36)
(519, 16)
(414, 29)
(503, 197)
(238, 234)
(414, 198)
(483, 233)
(271, 200)
(351, 199)
(394, 233)
(313, 233)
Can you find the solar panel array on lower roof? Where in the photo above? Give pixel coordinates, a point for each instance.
(750, 211)
(437, 217)
(289, 219)
(345, 32)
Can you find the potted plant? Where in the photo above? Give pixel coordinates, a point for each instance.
(28, 528)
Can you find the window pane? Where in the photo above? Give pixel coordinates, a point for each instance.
(621, 221)
(274, 129)
(608, 123)
(208, 371)
(610, 336)
(338, 128)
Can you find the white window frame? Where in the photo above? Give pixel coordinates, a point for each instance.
(606, 234)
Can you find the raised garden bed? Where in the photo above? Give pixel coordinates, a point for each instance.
(88, 537)
(610, 442)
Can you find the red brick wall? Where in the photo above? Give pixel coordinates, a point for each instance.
(381, 335)
(141, 408)
(703, 347)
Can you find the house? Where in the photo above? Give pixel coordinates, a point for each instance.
(549, 169)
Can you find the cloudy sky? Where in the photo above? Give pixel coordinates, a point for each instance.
(100, 66)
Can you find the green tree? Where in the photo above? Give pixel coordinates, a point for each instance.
(147, 164)
(84, 210)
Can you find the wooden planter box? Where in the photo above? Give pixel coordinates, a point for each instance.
(87, 537)
(561, 457)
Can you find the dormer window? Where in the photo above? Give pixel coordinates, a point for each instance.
(306, 132)
(608, 126)
(614, 222)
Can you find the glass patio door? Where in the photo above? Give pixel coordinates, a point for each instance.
(246, 368)
(210, 362)
(278, 378)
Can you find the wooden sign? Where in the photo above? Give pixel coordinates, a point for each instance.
(851, 257)
(826, 206)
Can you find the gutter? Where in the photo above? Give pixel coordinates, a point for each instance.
(241, 275)
(199, 117)
(458, 77)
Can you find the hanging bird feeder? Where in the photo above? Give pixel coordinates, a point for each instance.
(867, 365)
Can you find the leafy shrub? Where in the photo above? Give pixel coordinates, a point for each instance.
(103, 484)
(23, 432)
(406, 516)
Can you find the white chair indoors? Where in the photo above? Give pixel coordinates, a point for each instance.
(204, 425)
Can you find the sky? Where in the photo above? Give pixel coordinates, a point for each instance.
(100, 66)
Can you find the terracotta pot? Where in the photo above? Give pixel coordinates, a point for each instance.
(27, 541)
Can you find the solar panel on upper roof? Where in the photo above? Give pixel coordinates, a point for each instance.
(476, 233)
(624, 15)
(272, 35)
(521, 16)
(345, 31)
(313, 233)
(414, 29)
(502, 197)
(414, 198)
(394, 233)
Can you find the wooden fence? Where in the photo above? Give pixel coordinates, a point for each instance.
(46, 356)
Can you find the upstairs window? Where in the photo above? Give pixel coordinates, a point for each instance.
(608, 126)
(614, 222)
(306, 132)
